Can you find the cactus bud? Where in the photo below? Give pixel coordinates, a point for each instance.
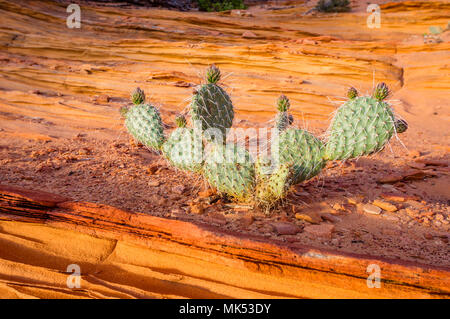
(283, 103)
(400, 126)
(180, 121)
(123, 111)
(138, 96)
(352, 93)
(381, 91)
(213, 74)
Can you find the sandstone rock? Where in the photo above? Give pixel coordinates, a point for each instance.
(416, 165)
(309, 217)
(152, 169)
(330, 217)
(323, 230)
(371, 209)
(385, 205)
(207, 193)
(398, 197)
(196, 208)
(393, 178)
(39, 197)
(246, 221)
(414, 154)
(391, 218)
(301, 193)
(101, 99)
(249, 35)
(354, 200)
(428, 236)
(285, 228)
(176, 212)
(179, 189)
(411, 212)
(217, 218)
(417, 175)
(309, 42)
(430, 162)
(153, 183)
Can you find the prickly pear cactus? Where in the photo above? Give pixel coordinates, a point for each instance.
(143, 122)
(229, 168)
(361, 126)
(211, 107)
(302, 150)
(184, 148)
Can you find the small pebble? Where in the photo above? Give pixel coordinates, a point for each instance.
(310, 217)
(372, 209)
(323, 230)
(284, 228)
(153, 183)
(384, 205)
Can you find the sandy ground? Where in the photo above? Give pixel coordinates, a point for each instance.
(60, 91)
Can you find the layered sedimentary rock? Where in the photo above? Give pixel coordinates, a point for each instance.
(130, 255)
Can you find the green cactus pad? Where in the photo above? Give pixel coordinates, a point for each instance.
(271, 185)
(184, 149)
(144, 124)
(360, 127)
(211, 108)
(229, 168)
(301, 149)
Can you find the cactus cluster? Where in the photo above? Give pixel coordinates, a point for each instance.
(362, 126)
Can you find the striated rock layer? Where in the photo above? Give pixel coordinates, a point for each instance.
(129, 255)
